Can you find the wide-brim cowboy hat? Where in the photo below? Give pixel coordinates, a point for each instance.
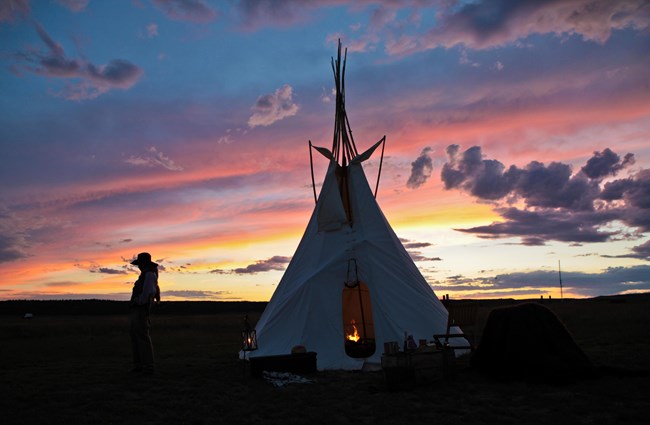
(143, 259)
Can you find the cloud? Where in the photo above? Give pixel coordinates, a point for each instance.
(421, 169)
(606, 163)
(74, 5)
(273, 107)
(418, 257)
(154, 158)
(186, 10)
(641, 252)
(485, 179)
(609, 281)
(274, 263)
(491, 23)
(106, 270)
(478, 24)
(559, 205)
(411, 247)
(194, 294)
(118, 73)
(416, 245)
(152, 30)
(14, 234)
(12, 248)
(253, 12)
(11, 9)
(85, 80)
(231, 136)
(537, 227)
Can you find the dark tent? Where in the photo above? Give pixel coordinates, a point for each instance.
(529, 342)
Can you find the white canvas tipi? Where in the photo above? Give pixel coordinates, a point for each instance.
(351, 285)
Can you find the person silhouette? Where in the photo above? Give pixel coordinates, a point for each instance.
(145, 292)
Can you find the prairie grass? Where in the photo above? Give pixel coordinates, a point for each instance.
(75, 370)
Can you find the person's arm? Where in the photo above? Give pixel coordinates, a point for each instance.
(148, 289)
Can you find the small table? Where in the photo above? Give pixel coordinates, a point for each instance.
(403, 370)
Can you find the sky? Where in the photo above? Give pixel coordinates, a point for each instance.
(517, 141)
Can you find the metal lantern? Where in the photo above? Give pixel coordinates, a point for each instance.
(249, 336)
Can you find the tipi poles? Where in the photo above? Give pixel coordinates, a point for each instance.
(343, 143)
(559, 271)
(381, 161)
(336, 68)
(313, 182)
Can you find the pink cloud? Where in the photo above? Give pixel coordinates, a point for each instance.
(273, 107)
(154, 158)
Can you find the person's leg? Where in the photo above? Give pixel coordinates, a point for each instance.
(136, 333)
(146, 351)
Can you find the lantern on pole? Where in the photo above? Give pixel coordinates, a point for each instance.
(249, 336)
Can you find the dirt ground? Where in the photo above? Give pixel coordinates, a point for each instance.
(75, 370)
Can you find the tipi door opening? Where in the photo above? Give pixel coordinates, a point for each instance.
(358, 326)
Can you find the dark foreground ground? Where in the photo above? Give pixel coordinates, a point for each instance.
(73, 369)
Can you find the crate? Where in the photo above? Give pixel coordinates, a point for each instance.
(405, 370)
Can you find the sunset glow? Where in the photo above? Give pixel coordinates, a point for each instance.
(181, 128)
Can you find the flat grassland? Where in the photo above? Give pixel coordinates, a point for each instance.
(75, 370)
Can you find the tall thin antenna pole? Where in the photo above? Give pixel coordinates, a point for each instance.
(559, 271)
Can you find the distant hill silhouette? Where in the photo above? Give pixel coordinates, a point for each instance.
(107, 307)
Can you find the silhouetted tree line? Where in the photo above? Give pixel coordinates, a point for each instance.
(106, 307)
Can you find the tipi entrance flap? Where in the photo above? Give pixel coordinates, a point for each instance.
(325, 152)
(331, 213)
(368, 153)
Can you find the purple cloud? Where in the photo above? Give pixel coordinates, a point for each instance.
(610, 281)
(491, 23)
(107, 270)
(253, 12)
(14, 235)
(486, 179)
(11, 248)
(186, 10)
(559, 205)
(74, 5)
(274, 263)
(606, 163)
(11, 9)
(537, 227)
(642, 251)
(421, 169)
(85, 80)
(412, 249)
(416, 245)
